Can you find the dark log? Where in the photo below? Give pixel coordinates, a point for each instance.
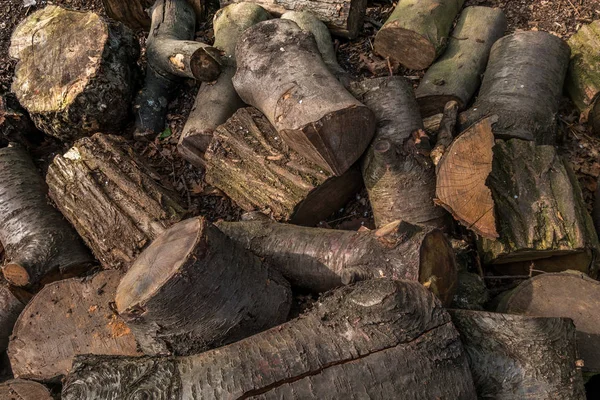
(445, 131)
(10, 309)
(523, 85)
(417, 31)
(250, 163)
(100, 184)
(398, 174)
(135, 13)
(518, 357)
(15, 124)
(76, 72)
(457, 74)
(471, 292)
(39, 244)
(373, 340)
(67, 318)
(194, 289)
(596, 208)
(19, 389)
(281, 72)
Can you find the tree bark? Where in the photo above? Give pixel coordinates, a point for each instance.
(40, 245)
(19, 389)
(193, 289)
(75, 74)
(68, 318)
(398, 174)
(518, 357)
(134, 13)
(250, 163)
(10, 308)
(15, 124)
(417, 31)
(523, 85)
(457, 74)
(445, 132)
(374, 339)
(280, 72)
(100, 184)
(596, 208)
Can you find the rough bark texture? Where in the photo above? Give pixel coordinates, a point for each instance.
(397, 171)
(194, 289)
(445, 132)
(280, 72)
(250, 163)
(322, 259)
(39, 244)
(517, 357)
(417, 31)
(135, 13)
(374, 340)
(523, 85)
(115, 201)
(10, 308)
(76, 72)
(68, 318)
(217, 101)
(19, 389)
(457, 74)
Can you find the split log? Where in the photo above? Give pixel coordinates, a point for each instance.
(194, 289)
(68, 318)
(371, 340)
(172, 55)
(416, 32)
(457, 74)
(398, 174)
(20, 389)
(217, 101)
(523, 85)
(280, 72)
(519, 357)
(445, 131)
(250, 163)
(100, 184)
(134, 13)
(40, 245)
(76, 72)
(570, 295)
(321, 259)
(10, 309)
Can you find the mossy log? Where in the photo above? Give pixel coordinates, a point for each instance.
(522, 85)
(217, 101)
(75, 74)
(113, 199)
(416, 32)
(250, 163)
(20, 389)
(135, 13)
(457, 74)
(10, 309)
(40, 246)
(398, 174)
(67, 318)
(375, 339)
(281, 72)
(194, 289)
(520, 357)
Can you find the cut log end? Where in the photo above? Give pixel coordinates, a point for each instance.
(16, 275)
(438, 270)
(204, 66)
(416, 51)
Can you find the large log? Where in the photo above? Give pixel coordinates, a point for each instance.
(194, 289)
(519, 357)
(10, 309)
(250, 163)
(374, 340)
(76, 72)
(398, 174)
(417, 31)
(522, 85)
(281, 72)
(20, 389)
(113, 199)
(68, 318)
(38, 242)
(457, 74)
(135, 13)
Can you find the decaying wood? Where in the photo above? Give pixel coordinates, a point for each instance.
(457, 74)
(417, 31)
(281, 72)
(249, 162)
(39, 244)
(20, 389)
(10, 309)
(194, 289)
(113, 199)
(67, 318)
(398, 174)
(523, 86)
(321, 259)
(446, 131)
(520, 357)
(217, 101)
(135, 13)
(75, 74)
(375, 339)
